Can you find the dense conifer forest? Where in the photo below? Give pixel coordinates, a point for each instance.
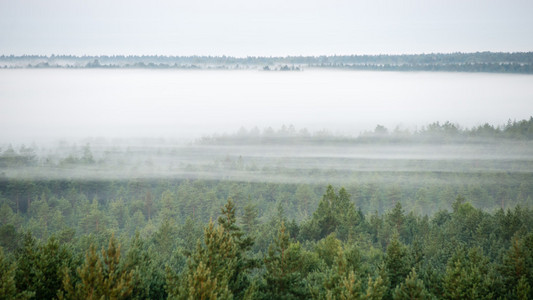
(432, 229)
(181, 240)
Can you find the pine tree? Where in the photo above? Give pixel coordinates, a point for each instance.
(377, 288)
(341, 283)
(324, 218)
(518, 263)
(27, 260)
(283, 262)
(396, 217)
(249, 218)
(203, 285)
(209, 269)
(411, 288)
(91, 275)
(52, 258)
(467, 276)
(100, 276)
(397, 262)
(335, 213)
(165, 237)
(8, 289)
(239, 282)
(347, 216)
(351, 288)
(523, 289)
(148, 270)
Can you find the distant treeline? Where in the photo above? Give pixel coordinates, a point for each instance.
(500, 62)
(434, 132)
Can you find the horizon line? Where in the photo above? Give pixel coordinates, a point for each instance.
(263, 56)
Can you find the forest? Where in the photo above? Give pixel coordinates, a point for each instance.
(146, 245)
(266, 150)
(440, 213)
(491, 62)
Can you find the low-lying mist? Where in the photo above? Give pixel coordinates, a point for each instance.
(48, 104)
(283, 155)
(492, 166)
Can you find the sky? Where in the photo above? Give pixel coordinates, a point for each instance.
(263, 28)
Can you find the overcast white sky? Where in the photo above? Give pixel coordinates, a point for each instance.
(273, 27)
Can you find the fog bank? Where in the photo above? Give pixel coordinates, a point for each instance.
(39, 105)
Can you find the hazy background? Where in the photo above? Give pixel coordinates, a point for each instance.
(275, 27)
(49, 104)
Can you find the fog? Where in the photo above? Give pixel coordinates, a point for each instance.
(123, 124)
(497, 163)
(47, 105)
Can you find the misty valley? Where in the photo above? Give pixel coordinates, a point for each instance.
(443, 211)
(151, 183)
(266, 150)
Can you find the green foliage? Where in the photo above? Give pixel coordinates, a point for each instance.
(100, 277)
(517, 265)
(239, 282)
(411, 288)
(467, 276)
(249, 218)
(203, 285)
(8, 289)
(523, 289)
(377, 288)
(26, 276)
(397, 262)
(214, 262)
(340, 282)
(52, 259)
(335, 253)
(148, 275)
(335, 213)
(282, 279)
